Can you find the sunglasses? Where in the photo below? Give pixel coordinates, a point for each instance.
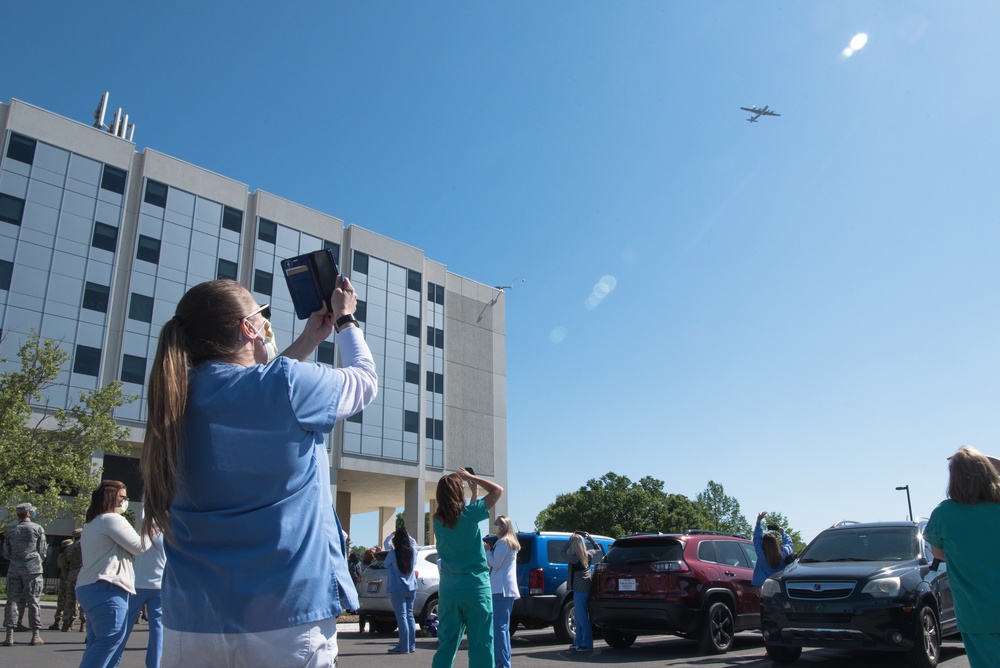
(264, 310)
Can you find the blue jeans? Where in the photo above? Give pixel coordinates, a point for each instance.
(106, 606)
(581, 613)
(502, 606)
(154, 615)
(402, 605)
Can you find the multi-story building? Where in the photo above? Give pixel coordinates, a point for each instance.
(98, 242)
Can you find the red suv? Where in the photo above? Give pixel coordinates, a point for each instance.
(694, 585)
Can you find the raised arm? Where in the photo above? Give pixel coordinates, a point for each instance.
(493, 490)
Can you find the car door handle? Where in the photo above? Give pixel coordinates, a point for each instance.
(729, 573)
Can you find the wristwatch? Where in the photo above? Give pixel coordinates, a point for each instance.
(343, 320)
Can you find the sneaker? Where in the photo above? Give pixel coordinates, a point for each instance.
(584, 649)
(396, 650)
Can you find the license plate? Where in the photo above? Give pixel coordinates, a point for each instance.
(626, 584)
(373, 587)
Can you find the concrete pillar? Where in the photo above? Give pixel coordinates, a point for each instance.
(433, 506)
(386, 524)
(343, 506)
(414, 510)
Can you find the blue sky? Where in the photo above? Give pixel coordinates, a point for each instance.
(803, 310)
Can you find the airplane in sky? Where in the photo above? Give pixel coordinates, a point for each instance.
(757, 113)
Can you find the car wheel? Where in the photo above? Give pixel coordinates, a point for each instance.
(927, 645)
(565, 626)
(716, 633)
(430, 608)
(383, 625)
(782, 654)
(617, 639)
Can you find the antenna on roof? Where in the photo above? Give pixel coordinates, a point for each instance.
(513, 282)
(119, 127)
(102, 108)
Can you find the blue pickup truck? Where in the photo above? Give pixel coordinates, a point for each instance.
(541, 581)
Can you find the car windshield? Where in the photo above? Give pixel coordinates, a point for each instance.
(644, 551)
(863, 544)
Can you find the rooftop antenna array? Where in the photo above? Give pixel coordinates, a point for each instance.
(119, 127)
(504, 288)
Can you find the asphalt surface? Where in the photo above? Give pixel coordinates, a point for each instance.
(530, 649)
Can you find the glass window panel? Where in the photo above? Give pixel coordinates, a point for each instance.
(95, 297)
(11, 209)
(267, 230)
(360, 264)
(362, 311)
(21, 148)
(156, 194)
(413, 327)
(335, 248)
(140, 308)
(412, 373)
(325, 353)
(133, 369)
(105, 237)
(87, 360)
(263, 282)
(414, 280)
(226, 269)
(148, 249)
(6, 271)
(113, 179)
(232, 219)
(411, 421)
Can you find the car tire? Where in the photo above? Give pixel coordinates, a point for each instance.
(430, 608)
(384, 625)
(565, 625)
(717, 630)
(926, 650)
(782, 654)
(617, 639)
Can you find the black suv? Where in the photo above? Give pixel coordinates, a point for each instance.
(695, 585)
(861, 586)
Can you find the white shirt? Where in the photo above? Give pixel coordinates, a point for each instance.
(503, 570)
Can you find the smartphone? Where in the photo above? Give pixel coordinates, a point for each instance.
(311, 279)
(773, 527)
(469, 469)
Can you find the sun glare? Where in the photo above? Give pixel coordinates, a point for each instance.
(857, 43)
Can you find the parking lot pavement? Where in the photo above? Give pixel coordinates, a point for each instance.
(530, 649)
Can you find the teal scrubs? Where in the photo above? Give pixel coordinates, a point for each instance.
(969, 535)
(465, 600)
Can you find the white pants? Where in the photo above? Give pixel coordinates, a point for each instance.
(312, 645)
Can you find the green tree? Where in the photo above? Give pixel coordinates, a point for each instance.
(45, 453)
(401, 522)
(722, 512)
(613, 505)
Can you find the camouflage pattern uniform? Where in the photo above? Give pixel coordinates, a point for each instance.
(24, 547)
(63, 585)
(73, 558)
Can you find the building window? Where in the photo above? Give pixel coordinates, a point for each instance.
(362, 311)
(324, 353)
(95, 297)
(133, 369)
(232, 219)
(140, 308)
(356, 418)
(21, 148)
(113, 179)
(413, 326)
(227, 269)
(6, 271)
(413, 280)
(267, 231)
(435, 337)
(435, 293)
(105, 237)
(412, 373)
(360, 263)
(263, 282)
(434, 429)
(335, 248)
(87, 360)
(411, 422)
(148, 249)
(435, 382)
(11, 209)
(156, 194)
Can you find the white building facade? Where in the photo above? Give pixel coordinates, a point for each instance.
(98, 242)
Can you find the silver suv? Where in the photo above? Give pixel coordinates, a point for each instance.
(374, 597)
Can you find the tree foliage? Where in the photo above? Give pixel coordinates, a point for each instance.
(722, 512)
(777, 518)
(45, 453)
(613, 505)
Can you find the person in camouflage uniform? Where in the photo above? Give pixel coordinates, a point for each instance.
(63, 585)
(73, 558)
(24, 547)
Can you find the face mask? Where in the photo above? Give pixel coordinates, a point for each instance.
(123, 507)
(270, 346)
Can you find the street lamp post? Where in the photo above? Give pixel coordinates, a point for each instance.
(908, 504)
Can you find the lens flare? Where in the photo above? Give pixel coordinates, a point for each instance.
(858, 41)
(558, 335)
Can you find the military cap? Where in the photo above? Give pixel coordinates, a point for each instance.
(68, 541)
(24, 508)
